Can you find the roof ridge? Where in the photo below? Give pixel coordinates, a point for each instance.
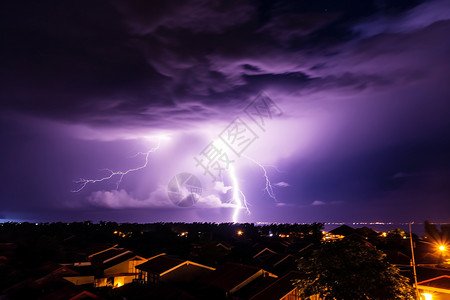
(119, 255)
(434, 278)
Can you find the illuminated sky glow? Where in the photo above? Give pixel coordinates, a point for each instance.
(363, 89)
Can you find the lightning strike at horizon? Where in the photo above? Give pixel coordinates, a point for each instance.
(121, 174)
(237, 194)
(268, 188)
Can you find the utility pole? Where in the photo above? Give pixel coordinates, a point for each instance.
(413, 262)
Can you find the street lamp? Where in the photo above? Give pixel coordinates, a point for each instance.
(442, 247)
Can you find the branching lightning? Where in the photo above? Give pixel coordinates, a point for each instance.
(238, 196)
(83, 182)
(268, 188)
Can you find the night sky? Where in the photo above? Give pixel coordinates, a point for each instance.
(358, 129)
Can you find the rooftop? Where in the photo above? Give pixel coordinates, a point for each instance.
(279, 288)
(230, 275)
(441, 282)
(160, 264)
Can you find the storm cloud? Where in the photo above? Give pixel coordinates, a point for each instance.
(362, 88)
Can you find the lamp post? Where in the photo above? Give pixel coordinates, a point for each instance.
(413, 263)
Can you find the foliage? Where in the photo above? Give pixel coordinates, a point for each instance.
(351, 270)
(397, 233)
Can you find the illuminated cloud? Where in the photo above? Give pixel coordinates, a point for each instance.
(121, 199)
(282, 184)
(212, 201)
(219, 186)
(118, 199)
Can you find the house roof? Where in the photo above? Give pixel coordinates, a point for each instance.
(425, 273)
(287, 259)
(230, 275)
(343, 230)
(62, 271)
(50, 282)
(98, 248)
(119, 259)
(441, 282)
(279, 288)
(108, 254)
(110, 257)
(160, 264)
(265, 252)
(224, 245)
(46, 268)
(254, 287)
(161, 291)
(88, 270)
(70, 292)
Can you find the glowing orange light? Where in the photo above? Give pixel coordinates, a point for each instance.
(240, 232)
(442, 248)
(427, 296)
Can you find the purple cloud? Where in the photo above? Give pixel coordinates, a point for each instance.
(363, 92)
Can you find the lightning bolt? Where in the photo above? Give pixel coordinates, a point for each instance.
(268, 188)
(83, 182)
(238, 196)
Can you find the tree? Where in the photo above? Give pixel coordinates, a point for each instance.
(438, 236)
(351, 270)
(397, 233)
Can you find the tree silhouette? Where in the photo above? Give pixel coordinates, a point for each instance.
(351, 270)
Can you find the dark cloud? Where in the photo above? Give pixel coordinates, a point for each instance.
(79, 63)
(197, 16)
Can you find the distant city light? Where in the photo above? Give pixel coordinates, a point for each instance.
(240, 232)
